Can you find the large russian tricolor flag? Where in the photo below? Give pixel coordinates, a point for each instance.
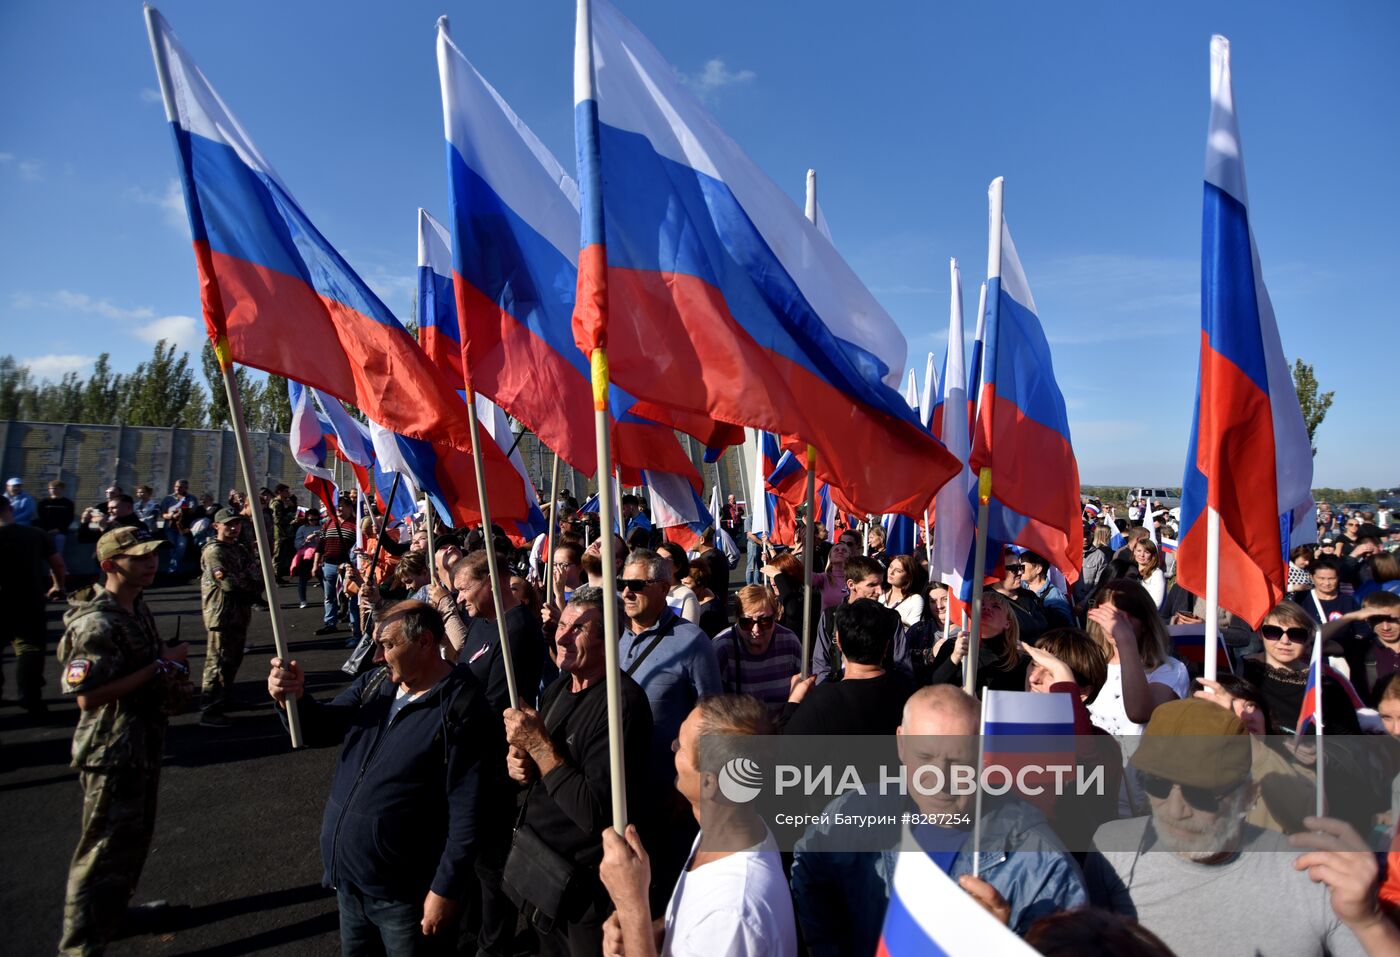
(713, 294)
(438, 311)
(771, 515)
(511, 276)
(1250, 458)
(954, 527)
(309, 444)
(929, 915)
(1022, 431)
(676, 509)
(276, 294)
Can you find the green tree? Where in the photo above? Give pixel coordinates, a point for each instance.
(102, 393)
(249, 389)
(16, 384)
(162, 390)
(274, 407)
(1313, 403)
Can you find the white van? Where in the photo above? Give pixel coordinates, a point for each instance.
(1161, 496)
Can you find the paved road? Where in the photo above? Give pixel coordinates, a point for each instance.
(236, 833)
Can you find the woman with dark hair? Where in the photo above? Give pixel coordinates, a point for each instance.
(1281, 673)
(714, 617)
(1299, 561)
(681, 598)
(903, 590)
(785, 574)
(1001, 662)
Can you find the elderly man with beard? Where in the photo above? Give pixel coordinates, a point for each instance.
(1196, 874)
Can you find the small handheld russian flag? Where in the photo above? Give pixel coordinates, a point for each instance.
(1311, 711)
(930, 914)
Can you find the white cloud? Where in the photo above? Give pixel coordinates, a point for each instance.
(54, 366)
(715, 76)
(171, 203)
(149, 95)
(183, 332)
(397, 292)
(69, 301)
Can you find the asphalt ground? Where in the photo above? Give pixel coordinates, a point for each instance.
(239, 812)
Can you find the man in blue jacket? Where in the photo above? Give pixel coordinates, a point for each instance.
(420, 754)
(841, 885)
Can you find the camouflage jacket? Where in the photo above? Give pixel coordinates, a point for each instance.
(231, 582)
(101, 643)
(283, 515)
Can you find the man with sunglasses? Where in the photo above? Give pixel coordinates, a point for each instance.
(1380, 611)
(1025, 604)
(1193, 871)
(758, 656)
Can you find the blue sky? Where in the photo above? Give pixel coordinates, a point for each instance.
(1095, 113)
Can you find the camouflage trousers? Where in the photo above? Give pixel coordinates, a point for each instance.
(222, 656)
(119, 815)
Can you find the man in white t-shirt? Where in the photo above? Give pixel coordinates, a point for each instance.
(732, 899)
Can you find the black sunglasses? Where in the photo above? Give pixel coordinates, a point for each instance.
(636, 584)
(1202, 799)
(763, 621)
(1296, 635)
(1015, 567)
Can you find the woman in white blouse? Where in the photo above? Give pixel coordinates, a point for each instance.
(902, 592)
(1142, 674)
(1149, 563)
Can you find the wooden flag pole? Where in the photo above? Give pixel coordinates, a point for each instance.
(979, 565)
(809, 559)
(269, 575)
(432, 538)
(611, 626)
(489, 540)
(1212, 595)
(214, 313)
(553, 519)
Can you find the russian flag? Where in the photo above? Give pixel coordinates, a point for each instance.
(1249, 458)
(438, 311)
(955, 528)
(788, 480)
(1021, 419)
(901, 531)
(1311, 711)
(276, 294)
(676, 509)
(929, 915)
(1189, 644)
(310, 449)
(513, 270)
(713, 294)
(351, 442)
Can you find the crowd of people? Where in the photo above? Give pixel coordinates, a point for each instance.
(472, 807)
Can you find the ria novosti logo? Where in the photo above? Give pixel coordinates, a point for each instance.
(740, 780)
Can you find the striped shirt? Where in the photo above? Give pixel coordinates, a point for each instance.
(767, 676)
(337, 538)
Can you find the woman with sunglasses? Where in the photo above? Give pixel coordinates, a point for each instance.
(1281, 673)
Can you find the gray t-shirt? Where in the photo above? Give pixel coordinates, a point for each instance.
(1253, 904)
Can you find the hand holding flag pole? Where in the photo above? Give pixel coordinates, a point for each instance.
(213, 311)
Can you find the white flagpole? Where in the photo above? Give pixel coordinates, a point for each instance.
(977, 797)
(809, 546)
(1318, 657)
(1212, 591)
(553, 519)
(584, 90)
(984, 479)
(235, 406)
(489, 540)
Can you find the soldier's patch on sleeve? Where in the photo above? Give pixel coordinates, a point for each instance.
(77, 673)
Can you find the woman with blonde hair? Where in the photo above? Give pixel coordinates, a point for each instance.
(1123, 620)
(1149, 566)
(1001, 662)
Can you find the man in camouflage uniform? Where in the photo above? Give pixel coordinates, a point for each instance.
(284, 514)
(125, 683)
(229, 586)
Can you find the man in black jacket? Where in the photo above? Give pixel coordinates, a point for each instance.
(561, 751)
(420, 751)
